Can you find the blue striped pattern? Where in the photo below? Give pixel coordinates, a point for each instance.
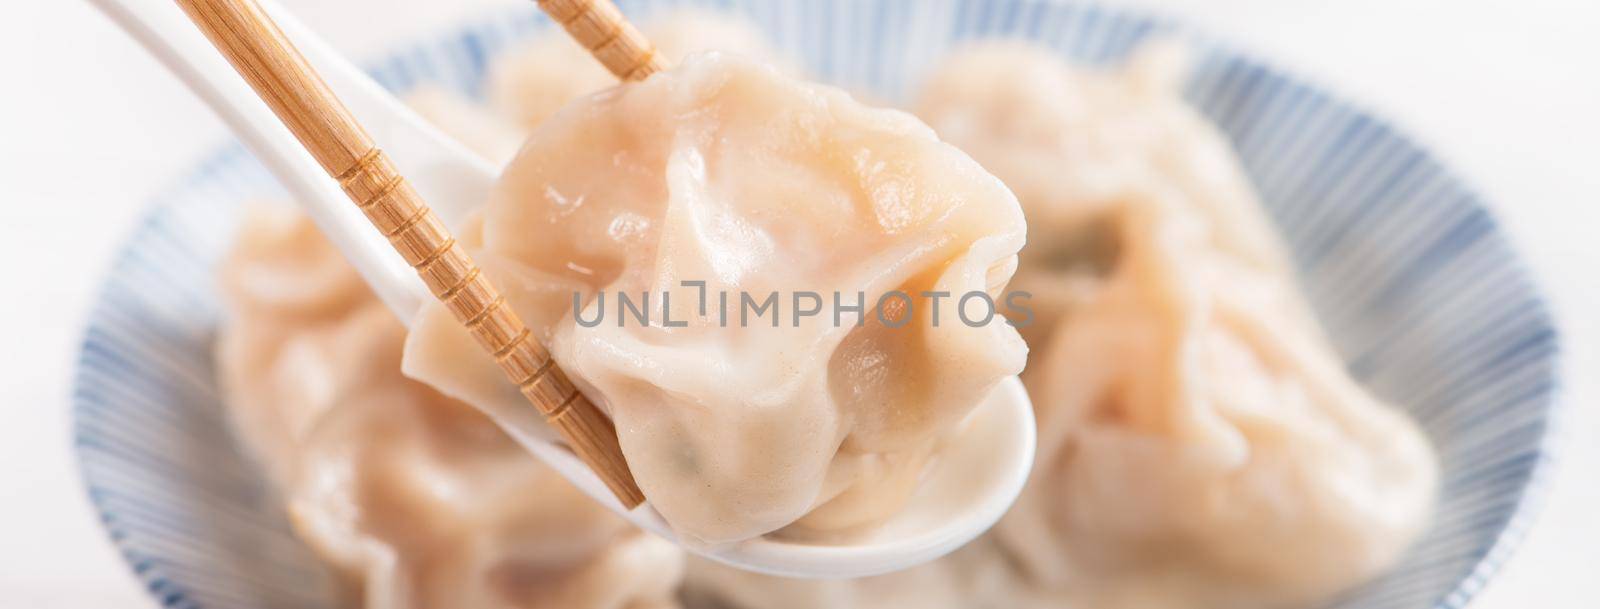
(1410, 274)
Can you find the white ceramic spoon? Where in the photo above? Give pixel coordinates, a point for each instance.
(976, 479)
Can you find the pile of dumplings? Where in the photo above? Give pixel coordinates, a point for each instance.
(1200, 443)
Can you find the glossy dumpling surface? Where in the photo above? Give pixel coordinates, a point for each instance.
(724, 171)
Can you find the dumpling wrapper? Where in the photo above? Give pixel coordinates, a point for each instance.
(416, 500)
(725, 171)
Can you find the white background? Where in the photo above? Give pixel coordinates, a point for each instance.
(1509, 93)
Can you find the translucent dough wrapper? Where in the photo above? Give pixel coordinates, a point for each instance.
(726, 172)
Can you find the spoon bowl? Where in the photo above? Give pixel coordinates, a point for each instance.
(976, 479)
(980, 474)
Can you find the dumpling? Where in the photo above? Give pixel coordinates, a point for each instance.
(1201, 444)
(417, 500)
(535, 80)
(290, 301)
(726, 172)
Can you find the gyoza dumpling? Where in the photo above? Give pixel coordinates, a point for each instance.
(1201, 445)
(726, 172)
(417, 500)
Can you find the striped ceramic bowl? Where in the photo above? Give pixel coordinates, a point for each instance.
(1411, 275)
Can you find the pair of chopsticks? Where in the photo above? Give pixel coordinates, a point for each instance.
(266, 59)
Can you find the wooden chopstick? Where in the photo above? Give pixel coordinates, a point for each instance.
(244, 33)
(601, 28)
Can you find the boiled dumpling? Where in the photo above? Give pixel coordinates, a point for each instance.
(1201, 444)
(416, 500)
(726, 172)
